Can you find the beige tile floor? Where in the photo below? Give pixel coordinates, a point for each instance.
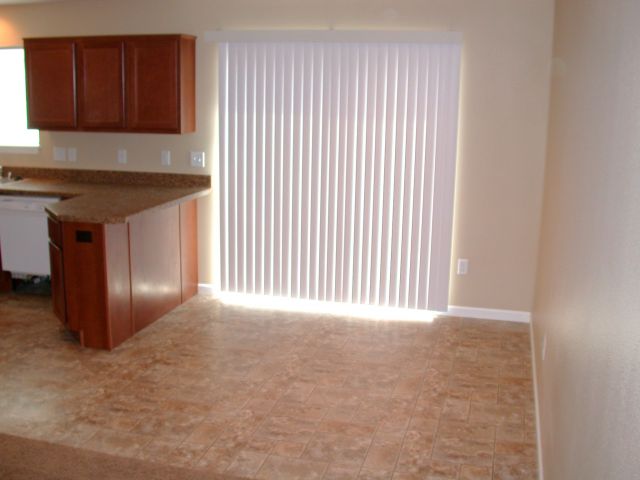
(279, 396)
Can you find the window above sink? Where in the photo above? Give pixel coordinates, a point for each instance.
(15, 137)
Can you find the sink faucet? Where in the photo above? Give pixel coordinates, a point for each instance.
(9, 175)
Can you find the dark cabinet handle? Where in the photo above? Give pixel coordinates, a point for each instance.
(84, 236)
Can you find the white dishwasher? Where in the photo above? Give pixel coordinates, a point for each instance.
(23, 234)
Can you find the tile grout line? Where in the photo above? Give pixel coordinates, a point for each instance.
(226, 429)
(305, 443)
(415, 404)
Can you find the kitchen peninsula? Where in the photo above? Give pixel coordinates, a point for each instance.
(122, 245)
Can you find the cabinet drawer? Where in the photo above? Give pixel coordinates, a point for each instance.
(55, 232)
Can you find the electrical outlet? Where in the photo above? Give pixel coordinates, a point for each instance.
(165, 158)
(122, 156)
(72, 154)
(463, 266)
(197, 159)
(59, 154)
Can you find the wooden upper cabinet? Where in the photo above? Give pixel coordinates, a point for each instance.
(51, 92)
(139, 83)
(160, 84)
(100, 83)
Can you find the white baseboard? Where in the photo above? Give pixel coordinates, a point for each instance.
(490, 314)
(536, 404)
(206, 289)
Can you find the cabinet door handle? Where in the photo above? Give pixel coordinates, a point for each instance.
(84, 236)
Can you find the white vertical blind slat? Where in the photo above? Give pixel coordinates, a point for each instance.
(409, 190)
(278, 186)
(287, 169)
(383, 101)
(223, 95)
(250, 169)
(299, 85)
(400, 169)
(388, 209)
(418, 172)
(341, 189)
(323, 238)
(267, 168)
(260, 174)
(241, 173)
(353, 171)
(232, 167)
(369, 156)
(306, 162)
(359, 251)
(316, 175)
(334, 162)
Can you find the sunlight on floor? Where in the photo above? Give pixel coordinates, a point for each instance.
(286, 304)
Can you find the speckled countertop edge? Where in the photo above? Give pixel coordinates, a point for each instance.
(100, 202)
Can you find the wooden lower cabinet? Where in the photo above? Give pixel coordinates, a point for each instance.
(189, 249)
(97, 284)
(119, 278)
(57, 282)
(57, 269)
(155, 265)
(5, 278)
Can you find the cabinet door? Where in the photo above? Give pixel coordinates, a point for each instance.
(96, 283)
(100, 77)
(57, 282)
(153, 84)
(85, 286)
(154, 250)
(51, 94)
(189, 249)
(5, 278)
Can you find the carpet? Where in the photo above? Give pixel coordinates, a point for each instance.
(25, 459)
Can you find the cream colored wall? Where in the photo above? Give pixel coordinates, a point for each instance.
(506, 62)
(587, 301)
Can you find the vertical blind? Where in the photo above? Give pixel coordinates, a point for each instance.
(336, 170)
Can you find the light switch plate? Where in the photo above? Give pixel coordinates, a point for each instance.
(197, 159)
(72, 154)
(59, 154)
(122, 156)
(165, 158)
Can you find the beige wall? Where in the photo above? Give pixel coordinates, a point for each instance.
(588, 290)
(506, 62)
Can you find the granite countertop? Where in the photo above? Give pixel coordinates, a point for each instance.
(87, 202)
